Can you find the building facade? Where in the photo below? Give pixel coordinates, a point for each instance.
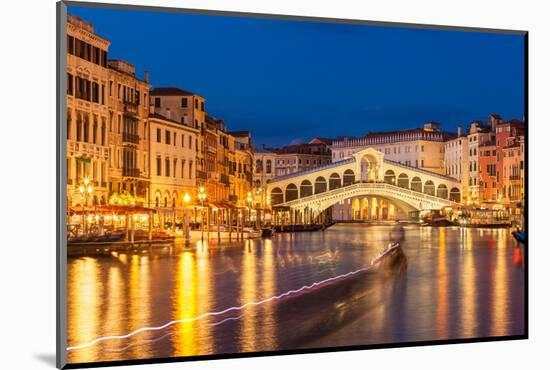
(300, 157)
(87, 112)
(242, 167)
(456, 157)
(128, 132)
(189, 109)
(172, 164)
(420, 148)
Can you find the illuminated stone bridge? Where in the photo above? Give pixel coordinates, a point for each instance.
(367, 173)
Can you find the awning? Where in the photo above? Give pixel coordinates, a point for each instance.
(110, 208)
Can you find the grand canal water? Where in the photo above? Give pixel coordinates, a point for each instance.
(459, 283)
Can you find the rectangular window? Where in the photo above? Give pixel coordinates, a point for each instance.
(157, 102)
(184, 102)
(159, 135)
(159, 165)
(70, 86)
(196, 104)
(167, 164)
(167, 135)
(70, 44)
(190, 142)
(202, 106)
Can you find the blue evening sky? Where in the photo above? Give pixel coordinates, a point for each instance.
(288, 81)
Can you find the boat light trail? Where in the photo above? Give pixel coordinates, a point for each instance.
(236, 308)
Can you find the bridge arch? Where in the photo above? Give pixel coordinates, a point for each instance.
(429, 187)
(416, 184)
(320, 185)
(403, 180)
(334, 181)
(369, 164)
(442, 191)
(291, 192)
(349, 177)
(277, 196)
(454, 195)
(389, 177)
(306, 189)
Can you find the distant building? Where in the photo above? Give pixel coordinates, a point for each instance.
(456, 157)
(300, 157)
(420, 147)
(478, 135)
(242, 167)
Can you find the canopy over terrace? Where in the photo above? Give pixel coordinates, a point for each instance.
(111, 209)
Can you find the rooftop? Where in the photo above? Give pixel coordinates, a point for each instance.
(170, 91)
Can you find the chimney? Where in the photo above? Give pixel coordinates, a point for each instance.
(459, 131)
(146, 76)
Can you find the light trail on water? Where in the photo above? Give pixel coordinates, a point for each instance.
(235, 308)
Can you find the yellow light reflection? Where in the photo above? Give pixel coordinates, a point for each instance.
(442, 288)
(500, 287)
(84, 285)
(185, 306)
(469, 290)
(248, 294)
(140, 305)
(205, 292)
(269, 287)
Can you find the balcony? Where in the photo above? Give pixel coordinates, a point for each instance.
(130, 138)
(201, 175)
(130, 172)
(130, 107)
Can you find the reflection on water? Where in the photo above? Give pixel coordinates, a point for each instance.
(459, 283)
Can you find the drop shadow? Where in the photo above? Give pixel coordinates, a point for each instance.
(47, 358)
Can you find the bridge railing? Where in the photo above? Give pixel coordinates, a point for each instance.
(435, 174)
(368, 185)
(311, 170)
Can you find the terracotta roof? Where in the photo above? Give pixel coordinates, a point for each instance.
(170, 91)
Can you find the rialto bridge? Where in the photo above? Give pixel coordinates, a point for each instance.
(363, 177)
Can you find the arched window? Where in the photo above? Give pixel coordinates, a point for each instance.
(403, 181)
(334, 182)
(442, 191)
(291, 192)
(349, 177)
(416, 184)
(454, 195)
(268, 166)
(320, 185)
(306, 189)
(277, 196)
(429, 187)
(389, 177)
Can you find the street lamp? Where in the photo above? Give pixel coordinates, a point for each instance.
(85, 189)
(186, 200)
(202, 198)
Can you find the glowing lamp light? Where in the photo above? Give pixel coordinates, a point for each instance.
(186, 198)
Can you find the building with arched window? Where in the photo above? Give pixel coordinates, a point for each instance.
(87, 111)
